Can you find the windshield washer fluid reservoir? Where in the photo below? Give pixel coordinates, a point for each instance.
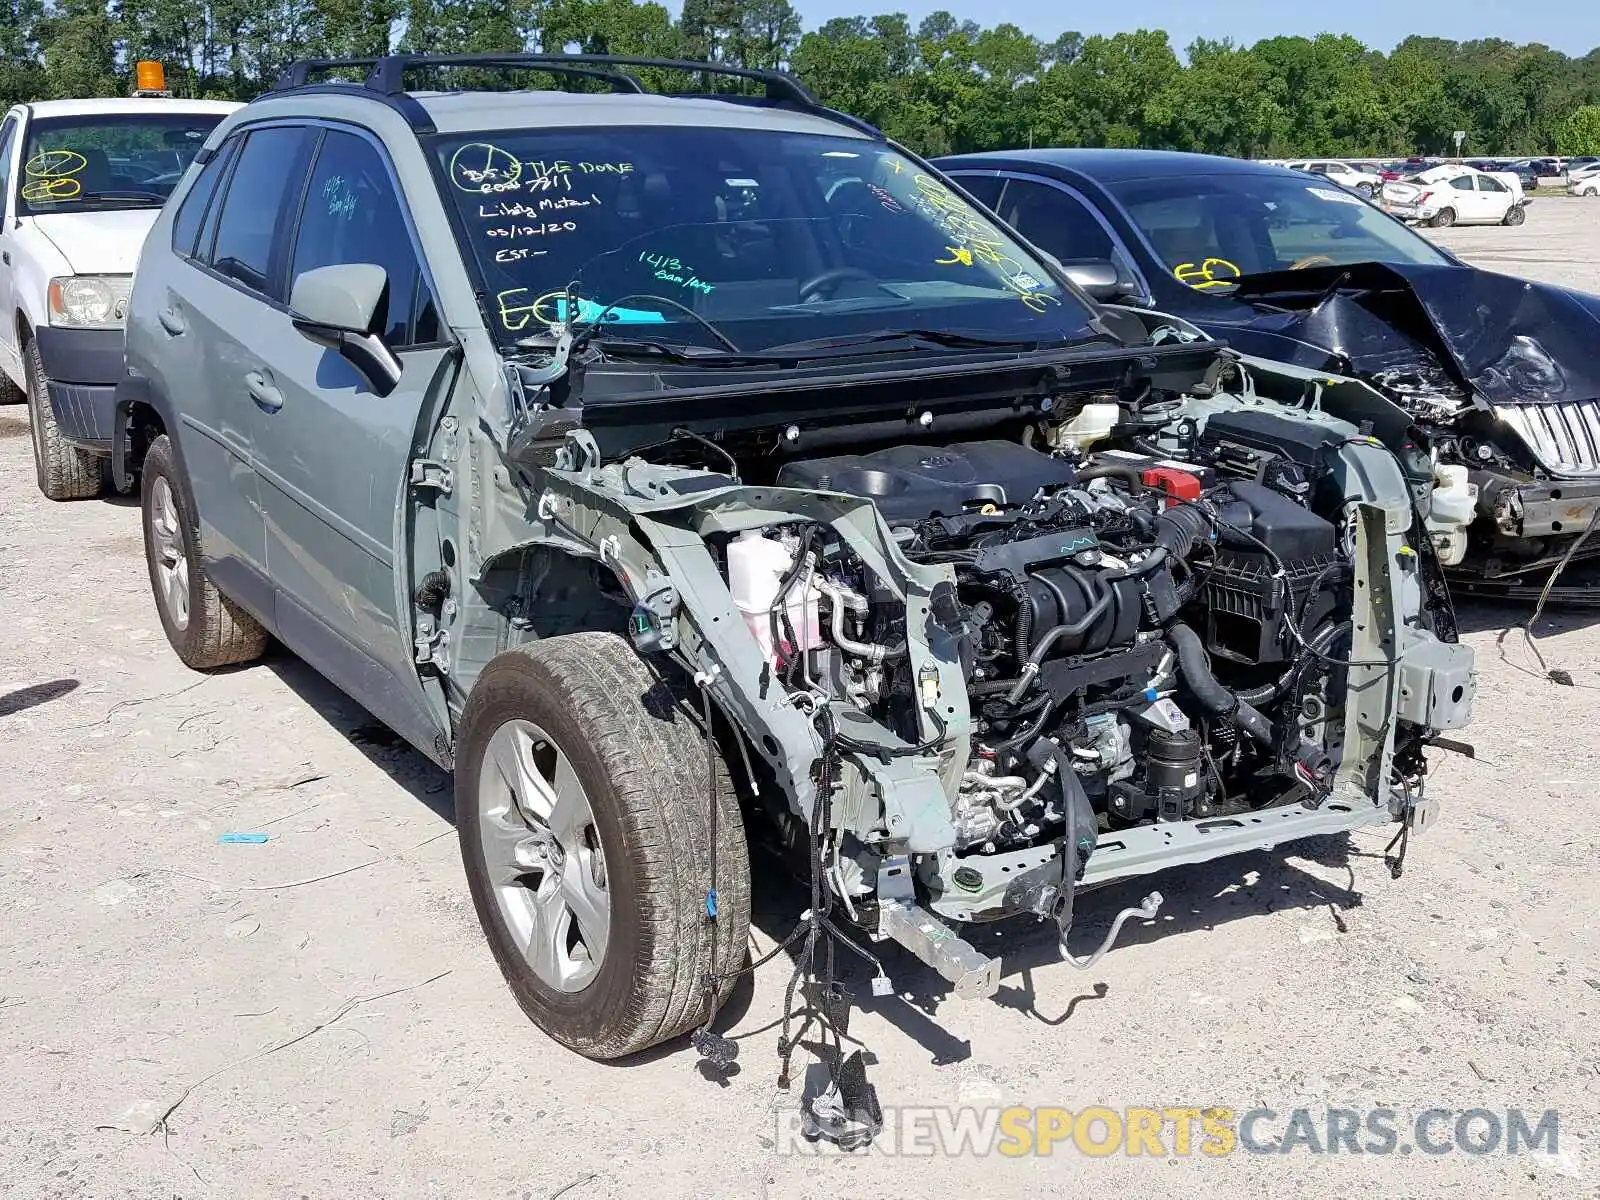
(1455, 503)
(756, 566)
(1093, 423)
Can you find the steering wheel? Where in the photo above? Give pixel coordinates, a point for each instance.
(828, 282)
(1311, 260)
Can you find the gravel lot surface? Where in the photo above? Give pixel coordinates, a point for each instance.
(318, 1015)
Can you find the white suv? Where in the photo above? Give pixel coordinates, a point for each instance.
(1357, 180)
(81, 182)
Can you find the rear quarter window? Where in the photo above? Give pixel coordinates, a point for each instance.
(192, 211)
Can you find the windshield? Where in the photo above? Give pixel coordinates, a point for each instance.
(1211, 229)
(103, 161)
(739, 238)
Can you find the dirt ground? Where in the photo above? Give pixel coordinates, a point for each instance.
(319, 1016)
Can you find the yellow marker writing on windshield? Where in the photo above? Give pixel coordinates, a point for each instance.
(50, 175)
(1213, 272)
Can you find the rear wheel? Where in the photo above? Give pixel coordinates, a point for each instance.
(1443, 219)
(584, 812)
(63, 471)
(202, 625)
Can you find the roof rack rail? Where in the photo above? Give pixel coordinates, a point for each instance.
(386, 76)
(298, 73)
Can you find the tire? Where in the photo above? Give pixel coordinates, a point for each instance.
(203, 626)
(1366, 189)
(10, 393)
(63, 471)
(1515, 215)
(1443, 219)
(585, 708)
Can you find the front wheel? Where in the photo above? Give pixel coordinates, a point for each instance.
(584, 805)
(1515, 215)
(63, 471)
(1366, 189)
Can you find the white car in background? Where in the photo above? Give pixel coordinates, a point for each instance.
(81, 182)
(1453, 194)
(1354, 178)
(1584, 181)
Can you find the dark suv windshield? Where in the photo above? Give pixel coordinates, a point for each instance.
(108, 160)
(773, 238)
(1211, 229)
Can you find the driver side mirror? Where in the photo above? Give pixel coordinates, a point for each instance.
(335, 307)
(1099, 278)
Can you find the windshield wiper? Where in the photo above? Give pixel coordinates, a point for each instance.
(124, 196)
(943, 338)
(673, 351)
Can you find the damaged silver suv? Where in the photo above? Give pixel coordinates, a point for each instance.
(676, 466)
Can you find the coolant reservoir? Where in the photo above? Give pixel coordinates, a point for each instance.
(756, 566)
(1455, 503)
(1091, 424)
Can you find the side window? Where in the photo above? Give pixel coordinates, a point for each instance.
(1055, 221)
(192, 212)
(1462, 183)
(985, 189)
(1318, 168)
(352, 215)
(270, 168)
(1486, 184)
(8, 135)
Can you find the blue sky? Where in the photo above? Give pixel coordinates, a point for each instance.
(1570, 26)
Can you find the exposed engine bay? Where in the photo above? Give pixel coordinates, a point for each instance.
(1144, 640)
(976, 658)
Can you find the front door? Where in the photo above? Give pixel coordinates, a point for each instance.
(10, 359)
(334, 457)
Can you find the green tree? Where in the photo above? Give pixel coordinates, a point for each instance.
(22, 72)
(1580, 132)
(1103, 97)
(1222, 103)
(79, 41)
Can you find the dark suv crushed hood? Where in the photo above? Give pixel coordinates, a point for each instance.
(1506, 340)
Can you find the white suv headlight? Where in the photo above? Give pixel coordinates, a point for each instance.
(90, 301)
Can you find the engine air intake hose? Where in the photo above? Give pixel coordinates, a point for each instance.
(1179, 528)
(1196, 670)
(1130, 475)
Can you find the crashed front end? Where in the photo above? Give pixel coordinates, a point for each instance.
(972, 676)
(1501, 379)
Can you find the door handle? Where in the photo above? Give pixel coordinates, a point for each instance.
(171, 321)
(262, 392)
(5, 257)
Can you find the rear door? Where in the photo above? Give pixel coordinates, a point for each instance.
(334, 456)
(214, 315)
